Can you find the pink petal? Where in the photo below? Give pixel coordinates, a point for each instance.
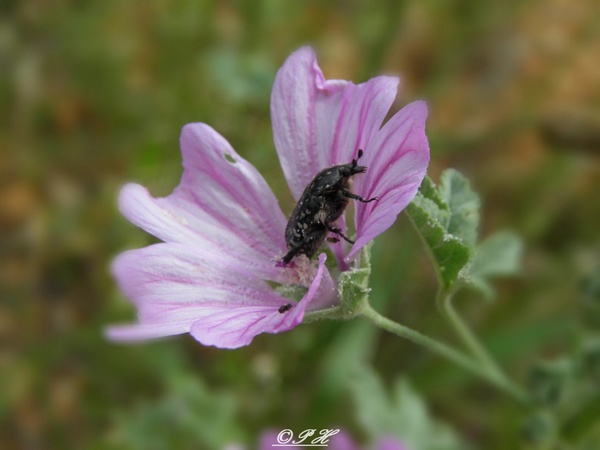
(390, 443)
(397, 160)
(217, 299)
(139, 332)
(342, 441)
(167, 282)
(222, 204)
(327, 294)
(268, 439)
(226, 327)
(318, 123)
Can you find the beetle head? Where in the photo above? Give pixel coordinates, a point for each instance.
(354, 167)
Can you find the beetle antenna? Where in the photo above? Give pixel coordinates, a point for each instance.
(355, 161)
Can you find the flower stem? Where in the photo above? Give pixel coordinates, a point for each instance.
(445, 351)
(333, 313)
(469, 340)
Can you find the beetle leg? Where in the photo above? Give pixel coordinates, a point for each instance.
(351, 195)
(290, 255)
(338, 231)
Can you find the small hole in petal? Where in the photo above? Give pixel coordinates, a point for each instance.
(230, 158)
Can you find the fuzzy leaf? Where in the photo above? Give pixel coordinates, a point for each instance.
(497, 256)
(400, 413)
(463, 204)
(354, 284)
(431, 216)
(500, 254)
(447, 217)
(189, 410)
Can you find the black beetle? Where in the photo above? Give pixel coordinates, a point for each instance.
(321, 204)
(284, 308)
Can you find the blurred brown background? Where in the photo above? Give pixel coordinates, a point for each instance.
(93, 94)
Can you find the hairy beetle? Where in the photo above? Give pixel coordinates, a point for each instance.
(321, 204)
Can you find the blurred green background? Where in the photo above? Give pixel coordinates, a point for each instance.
(93, 94)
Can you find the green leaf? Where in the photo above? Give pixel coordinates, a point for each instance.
(429, 190)
(499, 255)
(401, 413)
(447, 218)
(463, 204)
(551, 382)
(589, 290)
(352, 345)
(354, 285)
(431, 216)
(188, 415)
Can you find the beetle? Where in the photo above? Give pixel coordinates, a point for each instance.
(284, 308)
(321, 204)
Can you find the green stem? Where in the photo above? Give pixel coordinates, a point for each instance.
(470, 341)
(444, 302)
(333, 313)
(443, 350)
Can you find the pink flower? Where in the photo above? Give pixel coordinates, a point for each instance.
(223, 229)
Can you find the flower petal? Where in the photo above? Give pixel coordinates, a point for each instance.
(169, 282)
(269, 439)
(342, 441)
(318, 123)
(327, 294)
(227, 327)
(397, 160)
(222, 203)
(140, 332)
(218, 300)
(390, 443)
